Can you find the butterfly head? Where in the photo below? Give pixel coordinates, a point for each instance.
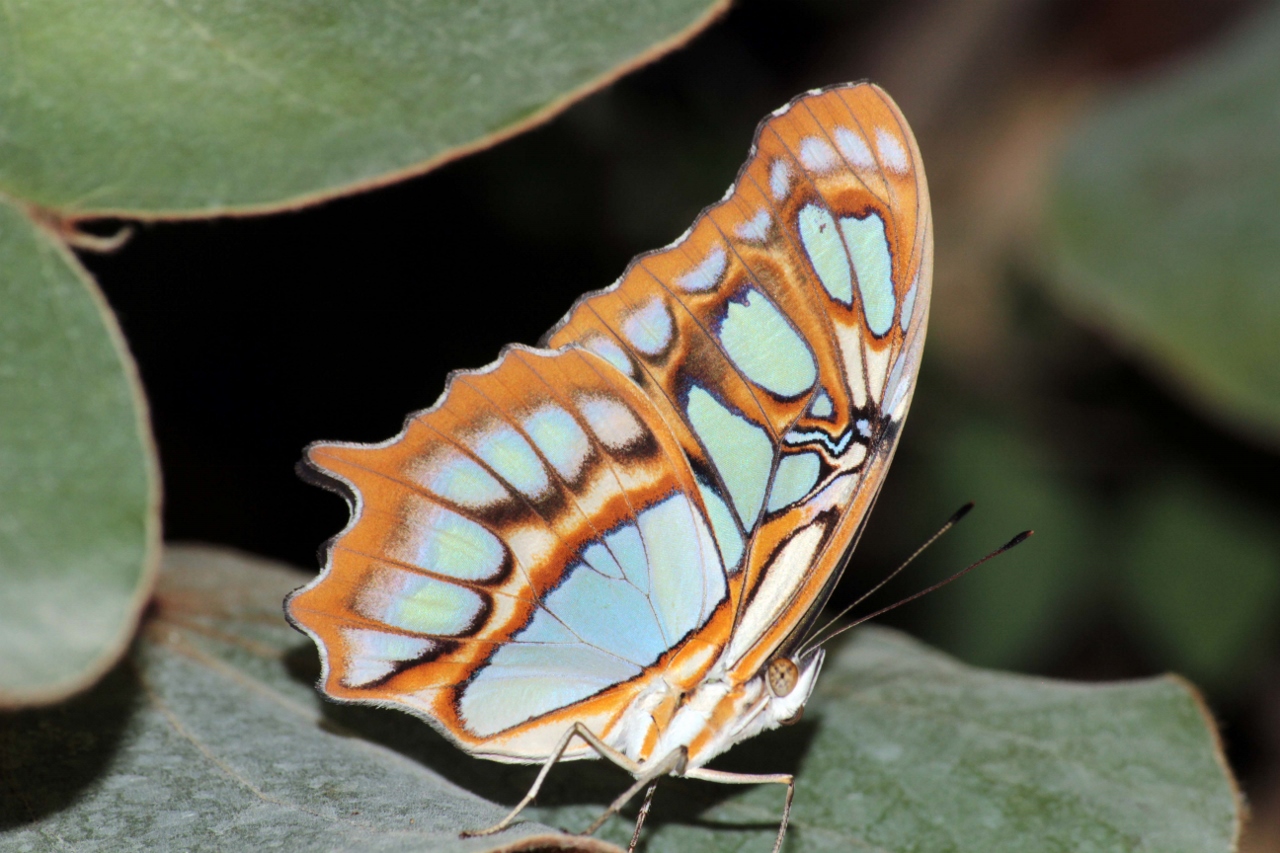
(789, 683)
(775, 697)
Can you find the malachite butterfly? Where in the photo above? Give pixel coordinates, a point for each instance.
(616, 544)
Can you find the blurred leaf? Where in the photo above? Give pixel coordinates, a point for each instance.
(213, 738)
(1204, 578)
(79, 525)
(151, 108)
(1006, 613)
(1165, 226)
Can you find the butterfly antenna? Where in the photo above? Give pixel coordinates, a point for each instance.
(950, 523)
(1017, 540)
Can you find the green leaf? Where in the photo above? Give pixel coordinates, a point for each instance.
(1164, 227)
(147, 108)
(915, 751)
(212, 737)
(79, 521)
(1203, 578)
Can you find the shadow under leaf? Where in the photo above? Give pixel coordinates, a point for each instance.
(50, 756)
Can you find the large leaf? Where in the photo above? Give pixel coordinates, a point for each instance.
(212, 738)
(79, 524)
(146, 107)
(1165, 225)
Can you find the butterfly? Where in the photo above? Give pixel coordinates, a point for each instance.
(617, 544)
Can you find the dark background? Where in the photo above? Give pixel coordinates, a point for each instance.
(257, 336)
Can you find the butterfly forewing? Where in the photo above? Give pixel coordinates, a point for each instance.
(799, 284)
(673, 482)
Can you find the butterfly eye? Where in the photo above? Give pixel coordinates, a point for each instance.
(781, 676)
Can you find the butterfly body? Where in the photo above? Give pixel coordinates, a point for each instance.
(615, 543)
(716, 713)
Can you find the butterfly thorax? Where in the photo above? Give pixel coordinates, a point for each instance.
(713, 716)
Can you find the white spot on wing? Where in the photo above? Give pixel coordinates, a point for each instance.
(559, 438)
(705, 275)
(851, 348)
(649, 327)
(816, 154)
(610, 351)
(611, 420)
(877, 372)
(756, 228)
(530, 545)
(854, 148)
(457, 478)
(853, 457)
(510, 456)
(892, 154)
(375, 654)
(779, 179)
(821, 406)
(909, 303)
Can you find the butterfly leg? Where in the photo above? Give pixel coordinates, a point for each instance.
(753, 779)
(578, 730)
(644, 813)
(674, 762)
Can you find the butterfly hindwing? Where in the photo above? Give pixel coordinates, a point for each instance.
(533, 540)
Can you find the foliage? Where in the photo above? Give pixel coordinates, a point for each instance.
(211, 737)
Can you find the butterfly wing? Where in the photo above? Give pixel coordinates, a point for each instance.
(793, 314)
(519, 557)
(674, 481)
